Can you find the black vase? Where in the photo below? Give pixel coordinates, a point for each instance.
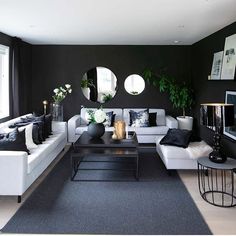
(96, 130)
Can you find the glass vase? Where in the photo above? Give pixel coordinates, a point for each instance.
(56, 111)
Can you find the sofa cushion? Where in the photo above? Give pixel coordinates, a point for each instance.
(152, 119)
(193, 151)
(43, 150)
(177, 137)
(117, 111)
(79, 130)
(14, 141)
(160, 117)
(172, 152)
(28, 136)
(155, 130)
(139, 119)
(109, 119)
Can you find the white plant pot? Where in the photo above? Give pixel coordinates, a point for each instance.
(185, 122)
(86, 92)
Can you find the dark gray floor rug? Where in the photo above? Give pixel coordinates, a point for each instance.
(157, 204)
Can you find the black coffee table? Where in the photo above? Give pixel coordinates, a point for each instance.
(105, 146)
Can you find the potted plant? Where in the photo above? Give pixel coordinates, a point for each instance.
(85, 86)
(59, 95)
(180, 94)
(96, 119)
(106, 97)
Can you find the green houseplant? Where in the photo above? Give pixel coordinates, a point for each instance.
(180, 94)
(86, 84)
(106, 97)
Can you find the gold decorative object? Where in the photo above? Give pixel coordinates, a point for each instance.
(45, 103)
(120, 129)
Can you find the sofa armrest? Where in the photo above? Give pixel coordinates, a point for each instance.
(13, 172)
(73, 123)
(171, 122)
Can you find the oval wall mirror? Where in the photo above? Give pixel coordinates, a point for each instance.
(134, 84)
(99, 84)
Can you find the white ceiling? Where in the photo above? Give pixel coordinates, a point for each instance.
(115, 22)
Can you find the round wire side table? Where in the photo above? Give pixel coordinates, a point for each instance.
(216, 182)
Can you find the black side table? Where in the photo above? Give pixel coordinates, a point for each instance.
(216, 182)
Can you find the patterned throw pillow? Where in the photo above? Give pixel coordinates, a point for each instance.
(109, 121)
(139, 119)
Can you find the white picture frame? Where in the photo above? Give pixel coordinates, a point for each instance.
(230, 98)
(217, 65)
(229, 58)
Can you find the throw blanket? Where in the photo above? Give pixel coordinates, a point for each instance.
(198, 149)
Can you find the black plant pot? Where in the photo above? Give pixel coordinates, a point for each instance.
(96, 130)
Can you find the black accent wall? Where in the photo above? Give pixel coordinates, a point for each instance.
(53, 66)
(48, 66)
(211, 91)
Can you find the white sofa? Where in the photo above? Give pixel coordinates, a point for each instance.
(18, 170)
(77, 124)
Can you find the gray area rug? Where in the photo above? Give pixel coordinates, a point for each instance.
(157, 204)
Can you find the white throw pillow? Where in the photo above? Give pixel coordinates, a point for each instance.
(28, 136)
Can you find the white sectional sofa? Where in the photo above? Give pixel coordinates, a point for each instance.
(18, 170)
(177, 158)
(77, 124)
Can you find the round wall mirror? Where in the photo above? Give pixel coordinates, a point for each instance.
(134, 84)
(99, 84)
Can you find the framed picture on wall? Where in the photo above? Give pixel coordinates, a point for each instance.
(229, 58)
(230, 98)
(217, 65)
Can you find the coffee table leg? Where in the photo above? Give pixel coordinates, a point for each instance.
(75, 162)
(137, 168)
(73, 171)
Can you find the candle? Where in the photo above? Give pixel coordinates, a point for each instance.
(45, 102)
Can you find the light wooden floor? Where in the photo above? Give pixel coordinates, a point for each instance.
(219, 220)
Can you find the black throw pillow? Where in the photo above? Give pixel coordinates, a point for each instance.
(35, 134)
(40, 130)
(108, 121)
(19, 124)
(113, 119)
(40, 120)
(131, 117)
(48, 123)
(153, 119)
(177, 137)
(14, 141)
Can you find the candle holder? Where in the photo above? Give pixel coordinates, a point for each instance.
(45, 103)
(119, 127)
